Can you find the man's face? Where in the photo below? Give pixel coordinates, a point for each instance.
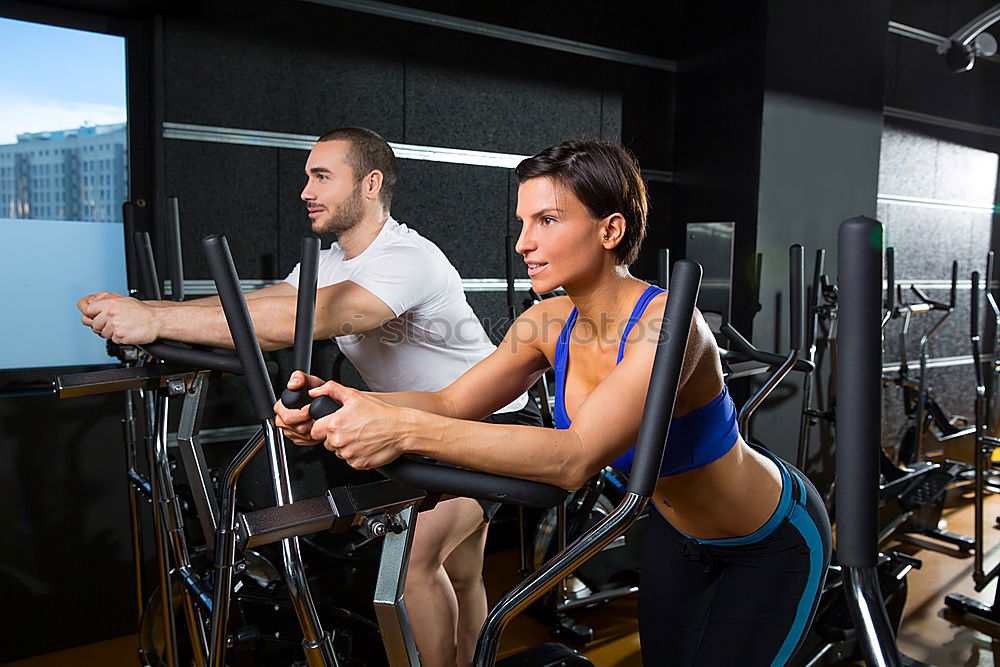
(331, 195)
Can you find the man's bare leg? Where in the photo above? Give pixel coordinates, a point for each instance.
(431, 600)
(465, 569)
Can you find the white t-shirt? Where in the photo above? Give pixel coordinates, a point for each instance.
(435, 336)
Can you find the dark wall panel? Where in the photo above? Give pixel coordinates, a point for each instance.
(509, 113)
(229, 190)
(282, 69)
(591, 22)
(462, 209)
(928, 240)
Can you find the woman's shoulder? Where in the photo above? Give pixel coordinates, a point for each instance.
(543, 322)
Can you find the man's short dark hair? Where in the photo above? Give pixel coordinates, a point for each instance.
(369, 151)
(602, 175)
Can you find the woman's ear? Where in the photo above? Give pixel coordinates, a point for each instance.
(612, 230)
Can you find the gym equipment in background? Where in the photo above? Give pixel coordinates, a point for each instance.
(985, 446)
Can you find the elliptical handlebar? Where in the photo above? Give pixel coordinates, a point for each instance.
(890, 280)
(305, 319)
(222, 360)
(437, 477)
(685, 283)
(217, 359)
(988, 286)
(747, 349)
(796, 275)
(175, 265)
(974, 307)
(149, 281)
(227, 282)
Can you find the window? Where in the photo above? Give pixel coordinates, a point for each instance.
(50, 103)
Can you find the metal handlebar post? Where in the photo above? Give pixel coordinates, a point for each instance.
(657, 413)
(317, 644)
(859, 267)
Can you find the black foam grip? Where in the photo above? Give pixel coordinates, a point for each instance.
(149, 282)
(859, 400)
(131, 268)
(436, 477)
(322, 406)
(201, 359)
(685, 281)
(954, 284)
(305, 319)
(227, 282)
(974, 307)
(796, 276)
(890, 279)
(175, 257)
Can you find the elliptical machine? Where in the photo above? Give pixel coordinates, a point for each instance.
(388, 506)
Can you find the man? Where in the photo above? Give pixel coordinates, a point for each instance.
(395, 305)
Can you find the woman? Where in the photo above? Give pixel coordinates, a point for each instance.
(737, 550)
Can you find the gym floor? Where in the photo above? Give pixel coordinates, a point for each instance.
(930, 632)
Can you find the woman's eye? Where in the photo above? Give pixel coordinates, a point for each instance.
(548, 220)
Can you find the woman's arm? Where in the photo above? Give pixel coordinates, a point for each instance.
(367, 432)
(491, 384)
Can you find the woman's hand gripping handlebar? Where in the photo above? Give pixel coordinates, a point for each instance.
(365, 432)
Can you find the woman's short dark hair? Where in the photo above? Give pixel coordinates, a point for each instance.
(369, 151)
(602, 175)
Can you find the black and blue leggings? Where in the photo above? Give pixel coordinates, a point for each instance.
(744, 601)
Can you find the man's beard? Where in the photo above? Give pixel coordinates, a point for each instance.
(344, 217)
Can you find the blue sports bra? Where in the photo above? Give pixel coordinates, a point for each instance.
(696, 439)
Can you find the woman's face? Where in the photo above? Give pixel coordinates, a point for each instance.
(560, 240)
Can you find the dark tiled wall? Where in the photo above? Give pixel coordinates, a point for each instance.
(304, 69)
(927, 239)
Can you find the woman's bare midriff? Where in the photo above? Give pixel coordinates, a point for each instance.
(730, 497)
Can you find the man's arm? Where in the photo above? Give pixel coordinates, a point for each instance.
(340, 309)
(277, 289)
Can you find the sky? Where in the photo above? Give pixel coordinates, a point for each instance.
(58, 78)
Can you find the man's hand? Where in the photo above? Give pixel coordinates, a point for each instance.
(120, 318)
(297, 424)
(366, 432)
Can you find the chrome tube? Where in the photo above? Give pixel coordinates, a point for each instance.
(754, 402)
(875, 634)
(317, 644)
(225, 550)
(156, 413)
(176, 541)
(552, 572)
